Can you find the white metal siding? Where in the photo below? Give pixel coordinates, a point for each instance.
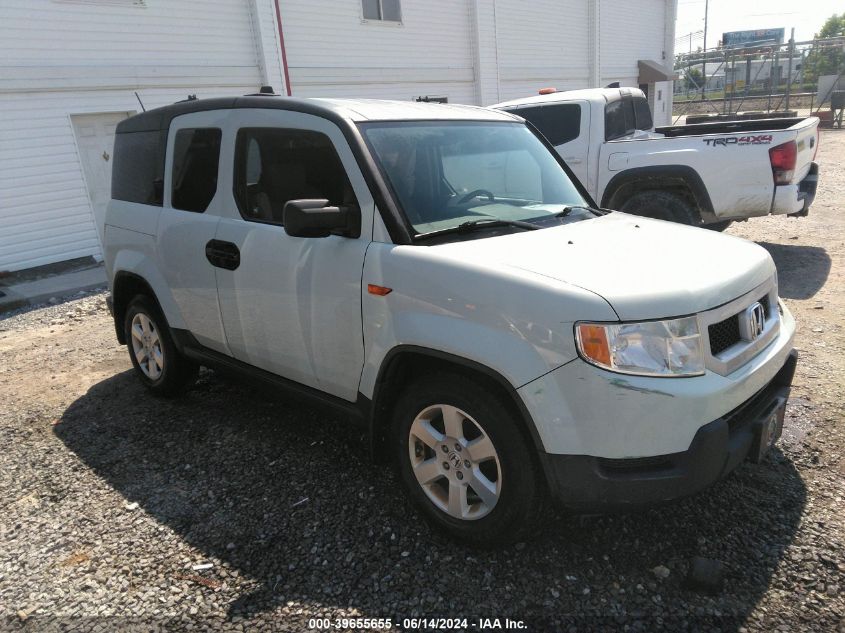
(486, 53)
(630, 31)
(266, 35)
(45, 213)
(63, 57)
(48, 44)
(332, 51)
(542, 43)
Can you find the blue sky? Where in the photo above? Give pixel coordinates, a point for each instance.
(737, 15)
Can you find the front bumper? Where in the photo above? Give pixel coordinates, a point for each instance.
(593, 484)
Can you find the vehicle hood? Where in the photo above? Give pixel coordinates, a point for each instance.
(645, 269)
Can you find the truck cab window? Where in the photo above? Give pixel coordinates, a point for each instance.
(559, 123)
(618, 119)
(196, 156)
(642, 113)
(274, 166)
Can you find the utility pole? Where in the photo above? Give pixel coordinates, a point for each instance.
(704, 61)
(789, 72)
(689, 65)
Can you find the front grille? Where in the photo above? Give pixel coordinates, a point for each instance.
(724, 334)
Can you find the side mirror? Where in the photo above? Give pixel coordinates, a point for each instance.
(313, 218)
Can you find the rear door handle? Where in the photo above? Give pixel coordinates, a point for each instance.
(223, 254)
(572, 160)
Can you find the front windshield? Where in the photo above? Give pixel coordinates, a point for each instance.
(447, 173)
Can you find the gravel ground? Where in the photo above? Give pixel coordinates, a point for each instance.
(110, 498)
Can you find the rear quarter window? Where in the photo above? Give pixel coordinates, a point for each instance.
(559, 123)
(642, 113)
(618, 119)
(138, 169)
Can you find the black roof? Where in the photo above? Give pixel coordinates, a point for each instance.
(160, 118)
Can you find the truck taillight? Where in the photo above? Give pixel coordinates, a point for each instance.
(783, 159)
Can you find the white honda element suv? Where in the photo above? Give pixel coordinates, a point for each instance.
(435, 273)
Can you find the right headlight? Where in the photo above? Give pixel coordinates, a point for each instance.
(670, 348)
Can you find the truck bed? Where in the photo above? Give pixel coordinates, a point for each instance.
(723, 127)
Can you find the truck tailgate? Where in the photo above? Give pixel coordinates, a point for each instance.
(807, 141)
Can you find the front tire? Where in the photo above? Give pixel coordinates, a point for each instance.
(465, 462)
(661, 205)
(157, 362)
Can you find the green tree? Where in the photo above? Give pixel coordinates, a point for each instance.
(834, 26)
(826, 59)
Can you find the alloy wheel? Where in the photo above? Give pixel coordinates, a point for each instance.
(454, 461)
(146, 345)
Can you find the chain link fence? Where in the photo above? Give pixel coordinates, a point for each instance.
(770, 79)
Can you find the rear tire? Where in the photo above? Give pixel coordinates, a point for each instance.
(465, 462)
(157, 362)
(661, 205)
(718, 226)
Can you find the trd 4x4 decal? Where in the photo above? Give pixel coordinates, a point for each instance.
(760, 139)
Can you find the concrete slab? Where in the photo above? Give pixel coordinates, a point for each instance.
(58, 286)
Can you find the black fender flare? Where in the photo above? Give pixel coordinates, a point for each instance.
(120, 300)
(683, 174)
(387, 370)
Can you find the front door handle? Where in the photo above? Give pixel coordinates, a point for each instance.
(223, 254)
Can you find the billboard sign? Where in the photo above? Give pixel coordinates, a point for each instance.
(735, 39)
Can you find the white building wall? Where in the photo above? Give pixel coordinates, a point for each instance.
(266, 34)
(485, 51)
(630, 31)
(64, 57)
(333, 51)
(542, 43)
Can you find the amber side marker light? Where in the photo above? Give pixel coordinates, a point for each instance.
(594, 343)
(378, 290)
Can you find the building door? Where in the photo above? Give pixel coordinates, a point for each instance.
(95, 141)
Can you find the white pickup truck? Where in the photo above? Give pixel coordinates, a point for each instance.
(707, 173)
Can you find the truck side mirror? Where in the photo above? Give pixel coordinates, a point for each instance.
(314, 218)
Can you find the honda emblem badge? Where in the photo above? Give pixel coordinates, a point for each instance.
(753, 322)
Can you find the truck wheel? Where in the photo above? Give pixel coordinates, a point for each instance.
(157, 362)
(465, 463)
(661, 205)
(718, 226)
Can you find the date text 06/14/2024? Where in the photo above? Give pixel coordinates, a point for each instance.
(420, 624)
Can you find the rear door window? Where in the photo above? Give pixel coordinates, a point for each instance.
(196, 157)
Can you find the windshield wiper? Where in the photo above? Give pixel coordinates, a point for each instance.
(466, 227)
(569, 208)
